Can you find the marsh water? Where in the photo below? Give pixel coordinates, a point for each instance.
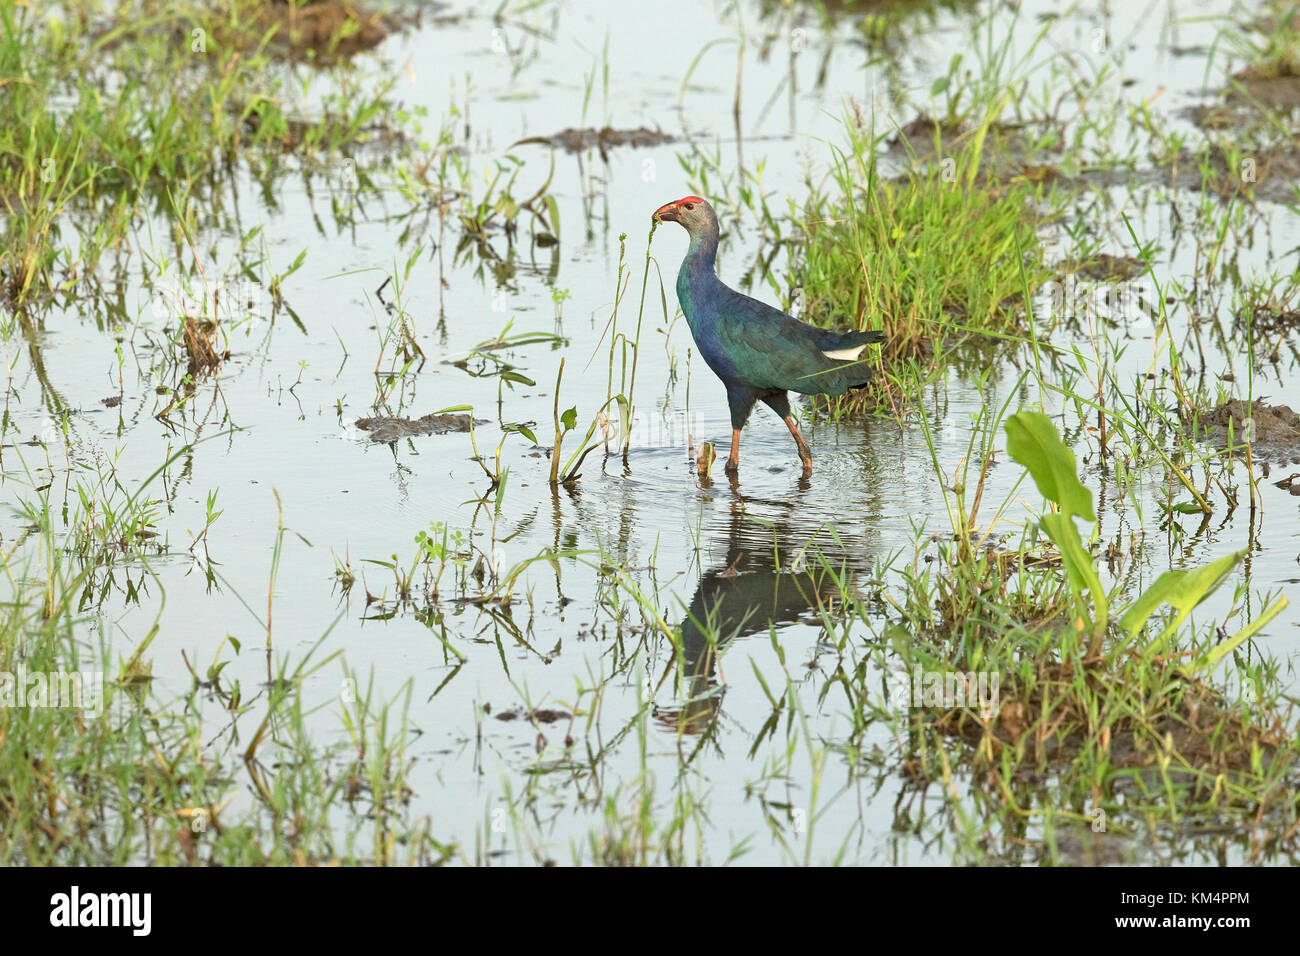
(570, 656)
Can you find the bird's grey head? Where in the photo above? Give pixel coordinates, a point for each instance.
(692, 212)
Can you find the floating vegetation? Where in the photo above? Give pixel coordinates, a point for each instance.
(389, 429)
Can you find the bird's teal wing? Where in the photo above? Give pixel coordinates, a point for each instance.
(772, 350)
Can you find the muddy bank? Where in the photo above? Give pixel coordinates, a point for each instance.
(327, 31)
(1273, 431)
(386, 429)
(576, 140)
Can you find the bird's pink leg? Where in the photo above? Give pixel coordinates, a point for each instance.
(805, 453)
(733, 463)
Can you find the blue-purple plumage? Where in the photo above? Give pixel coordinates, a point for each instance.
(759, 352)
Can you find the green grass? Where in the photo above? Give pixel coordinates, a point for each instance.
(1269, 41)
(1115, 708)
(125, 776)
(103, 119)
(100, 124)
(935, 257)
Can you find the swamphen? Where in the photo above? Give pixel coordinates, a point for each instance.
(759, 352)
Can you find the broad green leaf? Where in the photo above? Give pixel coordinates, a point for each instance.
(569, 419)
(1150, 599)
(1033, 442)
(1181, 590)
(1078, 562)
(1231, 644)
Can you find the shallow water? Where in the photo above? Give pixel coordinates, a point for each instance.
(353, 500)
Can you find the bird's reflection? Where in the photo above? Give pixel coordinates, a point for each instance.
(770, 576)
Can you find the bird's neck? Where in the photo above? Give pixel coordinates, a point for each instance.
(701, 254)
(697, 281)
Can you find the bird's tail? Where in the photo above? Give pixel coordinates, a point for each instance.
(848, 346)
(852, 369)
(865, 337)
(872, 337)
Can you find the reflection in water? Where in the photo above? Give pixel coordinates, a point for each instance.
(769, 577)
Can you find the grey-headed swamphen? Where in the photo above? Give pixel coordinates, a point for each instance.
(759, 352)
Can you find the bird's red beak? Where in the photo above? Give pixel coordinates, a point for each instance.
(666, 213)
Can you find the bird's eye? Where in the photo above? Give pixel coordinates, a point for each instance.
(689, 206)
